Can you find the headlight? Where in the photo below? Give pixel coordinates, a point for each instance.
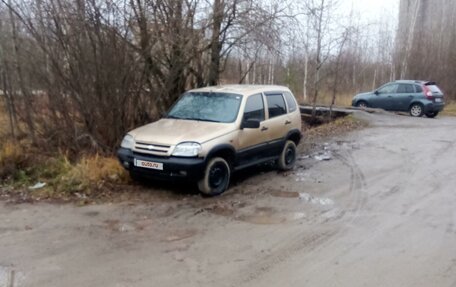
(128, 142)
(187, 149)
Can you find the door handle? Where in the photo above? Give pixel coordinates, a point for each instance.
(287, 122)
(264, 129)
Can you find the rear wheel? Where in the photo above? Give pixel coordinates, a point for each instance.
(432, 115)
(416, 110)
(361, 104)
(216, 177)
(287, 158)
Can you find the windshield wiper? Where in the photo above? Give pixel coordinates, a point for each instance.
(201, 119)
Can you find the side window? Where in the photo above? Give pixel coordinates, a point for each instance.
(254, 108)
(389, 89)
(276, 105)
(418, 89)
(405, 89)
(291, 102)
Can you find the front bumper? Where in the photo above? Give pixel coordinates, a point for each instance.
(173, 167)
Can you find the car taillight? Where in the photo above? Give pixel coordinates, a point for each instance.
(428, 93)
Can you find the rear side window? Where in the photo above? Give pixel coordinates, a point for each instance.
(291, 102)
(389, 89)
(276, 105)
(418, 89)
(254, 108)
(405, 89)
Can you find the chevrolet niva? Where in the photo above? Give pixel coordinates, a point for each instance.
(212, 132)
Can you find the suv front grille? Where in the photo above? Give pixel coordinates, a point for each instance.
(150, 148)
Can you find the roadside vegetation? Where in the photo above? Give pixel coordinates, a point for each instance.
(76, 75)
(450, 109)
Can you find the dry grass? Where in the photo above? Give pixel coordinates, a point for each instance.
(325, 99)
(4, 124)
(12, 158)
(340, 126)
(450, 109)
(89, 172)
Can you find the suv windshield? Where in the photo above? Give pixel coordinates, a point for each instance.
(205, 106)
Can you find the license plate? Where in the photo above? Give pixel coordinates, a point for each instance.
(149, 164)
(438, 100)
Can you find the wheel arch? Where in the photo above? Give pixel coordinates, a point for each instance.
(414, 103)
(362, 101)
(294, 135)
(224, 151)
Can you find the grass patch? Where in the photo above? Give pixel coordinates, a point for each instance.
(450, 109)
(325, 99)
(89, 177)
(337, 127)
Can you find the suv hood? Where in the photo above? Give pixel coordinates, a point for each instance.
(175, 131)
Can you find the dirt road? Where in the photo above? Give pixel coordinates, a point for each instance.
(380, 212)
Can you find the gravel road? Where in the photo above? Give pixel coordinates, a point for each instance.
(380, 212)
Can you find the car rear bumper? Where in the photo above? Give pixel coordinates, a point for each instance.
(433, 107)
(173, 167)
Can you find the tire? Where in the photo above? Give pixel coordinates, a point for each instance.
(432, 115)
(287, 158)
(216, 177)
(362, 104)
(416, 110)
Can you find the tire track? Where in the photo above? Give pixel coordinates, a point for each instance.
(299, 244)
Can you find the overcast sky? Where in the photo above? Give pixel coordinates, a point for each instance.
(372, 8)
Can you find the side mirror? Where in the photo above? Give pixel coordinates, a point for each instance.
(250, 124)
(376, 92)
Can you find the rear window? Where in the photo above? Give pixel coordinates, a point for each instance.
(434, 89)
(291, 102)
(276, 105)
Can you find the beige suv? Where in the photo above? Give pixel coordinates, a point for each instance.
(214, 131)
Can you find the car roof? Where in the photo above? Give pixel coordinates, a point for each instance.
(245, 90)
(415, 82)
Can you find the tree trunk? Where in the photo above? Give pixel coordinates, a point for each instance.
(216, 45)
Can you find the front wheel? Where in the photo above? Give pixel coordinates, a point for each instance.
(216, 177)
(361, 104)
(416, 110)
(432, 115)
(287, 158)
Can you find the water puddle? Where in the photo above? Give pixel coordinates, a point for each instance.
(269, 216)
(285, 194)
(301, 176)
(304, 197)
(315, 200)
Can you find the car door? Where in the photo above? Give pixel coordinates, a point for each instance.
(402, 98)
(276, 122)
(253, 142)
(383, 96)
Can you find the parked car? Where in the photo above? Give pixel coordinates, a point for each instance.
(417, 97)
(211, 132)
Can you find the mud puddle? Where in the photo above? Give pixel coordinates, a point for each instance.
(269, 215)
(304, 197)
